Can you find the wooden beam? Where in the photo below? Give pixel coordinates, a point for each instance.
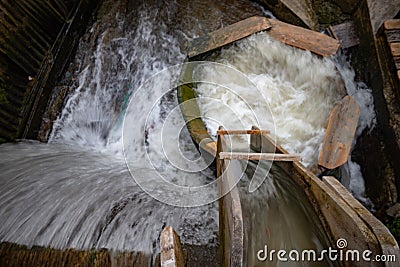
(392, 24)
(171, 250)
(395, 49)
(259, 156)
(227, 35)
(234, 132)
(346, 34)
(339, 134)
(305, 39)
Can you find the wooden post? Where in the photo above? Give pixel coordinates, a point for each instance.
(171, 250)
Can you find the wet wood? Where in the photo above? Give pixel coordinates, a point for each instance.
(395, 49)
(171, 250)
(230, 210)
(19, 255)
(345, 33)
(227, 35)
(259, 156)
(305, 39)
(338, 217)
(392, 24)
(340, 133)
(393, 36)
(235, 132)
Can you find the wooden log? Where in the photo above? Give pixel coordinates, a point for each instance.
(305, 39)
(171, 250)
(392, 24)
(395, 49)
(227, 35)
(234, 132)
(339, 134)
(259, 156)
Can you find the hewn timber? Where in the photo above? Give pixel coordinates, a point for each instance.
(227, 35)
(259, 156)
(20, 255)
(339, 214)
(339, 134)
(302, 38)
(230, 211)
(234, 132)
(346, 34)
(171, 250)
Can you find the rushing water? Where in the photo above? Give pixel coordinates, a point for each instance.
(76, 191)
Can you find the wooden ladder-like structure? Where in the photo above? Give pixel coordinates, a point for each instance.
(230, 210)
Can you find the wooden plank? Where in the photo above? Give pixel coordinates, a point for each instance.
(392, 24)
(259, 156)
(393, 36)
(346, 34)
(234, 132)
(230, 211)
(227, 35)
(298, 37)
(395, 49)
(398, 74)
(171, 250)
(339, 134)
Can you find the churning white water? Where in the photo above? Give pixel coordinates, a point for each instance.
(293, 95)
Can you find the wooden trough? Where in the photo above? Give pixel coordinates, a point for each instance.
(340, 214)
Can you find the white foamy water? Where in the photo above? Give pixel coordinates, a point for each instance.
(293, 95)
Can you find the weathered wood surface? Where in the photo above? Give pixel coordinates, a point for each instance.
(259, 156)
(339, 219)
(395, 49)
(20, 255)
(230, 211)
(346, 34)
(171, 250)
(392, 24)
(386, 240)
(305, 39)
(234, 132)
(339, 134)
(227, 35)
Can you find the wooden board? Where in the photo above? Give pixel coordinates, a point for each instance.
(298, 37)
(346, 34)
(392, 24)
(171, 250)
(227, 35)
(259, 156)
(395, 49)
(393, 36)
(234, 132)
(339, 134)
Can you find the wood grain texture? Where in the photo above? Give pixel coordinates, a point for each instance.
(234, 132)
(305, 39)
(395, 49)
(171, 250)
(227, 35)
(392, 24)
(339, 134)
(259, 156)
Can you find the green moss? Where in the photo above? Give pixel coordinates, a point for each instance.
(394, 227)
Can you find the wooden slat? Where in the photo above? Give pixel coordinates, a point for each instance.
(346, 34)
(259, 156)
(234, 132)
(339, 134)
(395, 49)
(392, 24)
(393, 36)
(398, 74)
(171, 250)
(227, 35)
(315, 42)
